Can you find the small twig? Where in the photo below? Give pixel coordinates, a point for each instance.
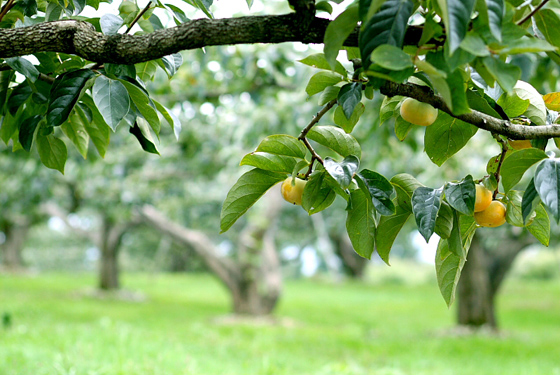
(504, 145)
(146, 8)
(528, 17)
(6, 8)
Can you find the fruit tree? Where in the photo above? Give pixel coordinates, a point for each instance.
(455, 58)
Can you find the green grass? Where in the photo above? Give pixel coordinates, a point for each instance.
(323, 328)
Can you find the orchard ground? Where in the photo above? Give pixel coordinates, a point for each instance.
(390, 325)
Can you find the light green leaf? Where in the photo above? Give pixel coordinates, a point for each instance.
(335, 139)
(506, 74)
(540, 227)
(338, 31)
(391, 57)
(547, 184)
(344, 171)
(387, 231)
(281, 144)
(456, 17)
(348, 124)
(144, 104)
(52, 152)
(110, 24)
(269, 162)
(317, 195)
(462, 195)
(246, 191)
(444, 221)
(405, 185)
(360, 224)
(321, 80)
(516, 164)
(75, 130)
(319, 61)
(112, 100)
(514, 215)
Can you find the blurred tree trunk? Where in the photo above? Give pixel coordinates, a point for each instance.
(109, 242)
(254, 277)
(15, 232)
(482, 276)
(353, 265)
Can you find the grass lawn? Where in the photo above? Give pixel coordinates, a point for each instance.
(322, 328)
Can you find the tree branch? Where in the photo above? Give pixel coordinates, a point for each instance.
(476, 118)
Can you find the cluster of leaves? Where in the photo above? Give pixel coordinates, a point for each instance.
(460, 52)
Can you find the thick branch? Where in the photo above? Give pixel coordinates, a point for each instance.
(476, 118)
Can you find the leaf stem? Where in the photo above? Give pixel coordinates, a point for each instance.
(146, 8)
(528, 17)
(504, 145)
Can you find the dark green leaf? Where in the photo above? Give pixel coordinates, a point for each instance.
(547, 184)
(506, 74)
(456, 17)
(462, 195)
(360, 224)
(454, 242)
(335, 139)
(23, 66)
(529, 201)
(141, 130)
(425, 206)
(65, 93)
(5, 79)
(492, 13)
(19, 95)
(317, 195)
(112, 100)
(142, 101)
(379, 189)
(349, 97)
(52, 152)
(246, 191)
(387, 231)
(26, 131)
(444, 220)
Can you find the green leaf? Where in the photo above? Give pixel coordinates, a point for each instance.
(547, 184)
(514, 215)
(26, 131)
(462, 195)
(171, 119)
(402, 128)
(349, 96)
(405, 185)
(547, 21)
(23, 66)
(317, 195)
(530, 201)
(146, 70)
(448, 264)
(5, 79)
(97, 129)
(141, 130)
(335, 139)
(337, 32)
(387, 26)
(360, 224)
(112, 100)
(281, 144)
(324, 6)
(445, 137)
(19, 96)
(425, 206)
(246, 191)
(75, 130)
(513, 105)
(540, 227)
(319, 61)
(348, 124)
(321, 80)
(391, 57)
(454, 242)
(379, 189)
(537, 107)
(146, 107)
(328, 94)
(492, 14)
(344, 171)
(171, 63)
(456, 17)
(269, 162)
(110, 24)
(52, 152)
(65, 93)
(515, 166)
(120, 70)
(506, 74)
(444, 220)
(387, 231)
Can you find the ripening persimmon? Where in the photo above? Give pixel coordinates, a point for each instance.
(483, 198)
(493, 216)
(293, 193)
(520, 144)
(418, 113)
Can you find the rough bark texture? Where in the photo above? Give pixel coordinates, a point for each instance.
(253, 278)
(482, 277)
(11, 249)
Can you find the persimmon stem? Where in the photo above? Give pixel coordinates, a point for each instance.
(504, 145)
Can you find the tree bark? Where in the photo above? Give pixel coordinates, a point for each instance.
(109, 243)
(482, 276)
(16, 233)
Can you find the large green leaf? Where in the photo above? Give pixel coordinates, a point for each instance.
(244, 193)
(450, 265)
(23, 66)
(171, 63)
(344, 171)
(506, 74)
(65, 93)
(321, 80)
(52, 152)
(387, 231)
(530, 201)
(97, 128)
(379, 189)
(317, 195)
(514, 214)
(26, 131)
(387, 26)
(492, 14)
(281, 144)
(445, 137)
(405, 185)
(547, 184)
(391, 57)
(75, 130)
(444, 221)
(345, 123)
(456, 17)
(319, 61)
(144, 105)
(337, 32)
(540, 227)
(19, 96)
(5, 79)
(171, 118)
(461, 195)
(269, 162)
(141, 130)
(360, 224)
(515, 166)
(547, 21)
(349, 96)
(425, 206)
(112, 100)
(336, 139)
